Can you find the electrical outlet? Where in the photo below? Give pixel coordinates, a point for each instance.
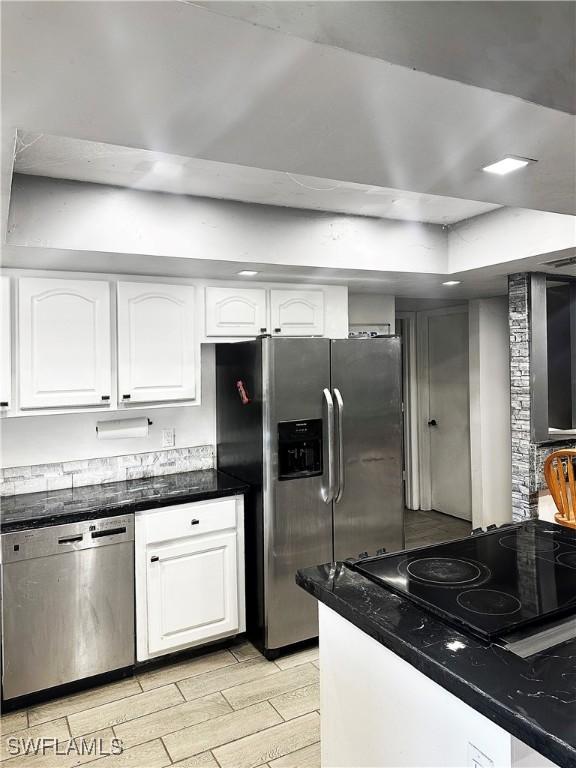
(168, 438)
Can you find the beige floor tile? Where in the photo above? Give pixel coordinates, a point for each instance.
(245, 651)
(308, 757)
(56, 729)
(270, 744)
(183, 669)
(13, 721)
(117, 712)
(316, 663)
(69, 705)
(273, 685)
(204, 760)
(220, 730)
(297, 702)
(211, 682)
(172, 719)
(149, 755)
(300, 657)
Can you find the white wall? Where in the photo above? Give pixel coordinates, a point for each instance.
(67, 437)
(546, 506)
(371, 309)
(490, 411)
(71, 215)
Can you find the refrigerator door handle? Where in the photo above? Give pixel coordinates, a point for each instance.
(340, 437)
(328, 492)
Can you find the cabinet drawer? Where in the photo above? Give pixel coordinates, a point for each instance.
(187, 520)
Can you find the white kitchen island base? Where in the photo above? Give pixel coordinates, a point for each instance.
(379, 710)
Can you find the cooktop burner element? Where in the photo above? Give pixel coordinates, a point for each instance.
(538, 544)
(443, 570)
(488, 601)
(491, 584)
(568, 558)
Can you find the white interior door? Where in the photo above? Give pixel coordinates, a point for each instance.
(156, 342)
(447, 415)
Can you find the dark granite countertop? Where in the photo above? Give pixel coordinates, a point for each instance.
(534, 699)
(36, 510)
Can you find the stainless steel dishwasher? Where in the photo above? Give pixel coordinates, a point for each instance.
(67, 603)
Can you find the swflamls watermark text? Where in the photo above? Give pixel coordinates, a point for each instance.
(80, 746)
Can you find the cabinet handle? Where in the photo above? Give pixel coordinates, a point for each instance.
(262, 330)
(194, 522)
(105, 397)
(4, 404)
(154, 559)
(126, 397)
(277, 330)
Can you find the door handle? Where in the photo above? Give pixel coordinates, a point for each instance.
(339, 433)
(328, 492)
(432, 423)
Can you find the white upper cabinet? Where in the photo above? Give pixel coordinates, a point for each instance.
(64, 342)
(297, 313)
(156, 342)
(236, 311)
(5, 342)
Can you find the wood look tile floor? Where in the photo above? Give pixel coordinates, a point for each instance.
(424, 528)
(227, 708)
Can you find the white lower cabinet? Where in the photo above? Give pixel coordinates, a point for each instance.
(189, 575)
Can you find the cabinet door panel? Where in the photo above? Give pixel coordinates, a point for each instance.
(156, 342)
(297, 313)
(64, 335)
(5, 344)
(192, 591)
(235, 311)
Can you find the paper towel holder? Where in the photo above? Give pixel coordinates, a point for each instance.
(150, 422)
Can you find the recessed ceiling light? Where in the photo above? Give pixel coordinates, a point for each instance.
(507, 165)
(247, 273)
(452, 282)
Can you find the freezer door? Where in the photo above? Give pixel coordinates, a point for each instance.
(297, 520)
(368, 506)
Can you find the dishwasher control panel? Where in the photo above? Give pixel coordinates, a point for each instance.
(58, 539)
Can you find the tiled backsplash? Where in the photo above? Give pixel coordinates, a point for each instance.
(110, 469)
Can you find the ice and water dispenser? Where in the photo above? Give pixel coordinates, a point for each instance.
(299, 449)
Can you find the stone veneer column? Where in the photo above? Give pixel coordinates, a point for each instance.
(524, 500)
(527, 457)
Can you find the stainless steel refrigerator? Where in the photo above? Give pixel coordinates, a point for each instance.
(315, 427)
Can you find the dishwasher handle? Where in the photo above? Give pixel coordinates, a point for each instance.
(109, 532)
(71, 539)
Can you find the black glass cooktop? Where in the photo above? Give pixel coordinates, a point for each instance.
(491, 583)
